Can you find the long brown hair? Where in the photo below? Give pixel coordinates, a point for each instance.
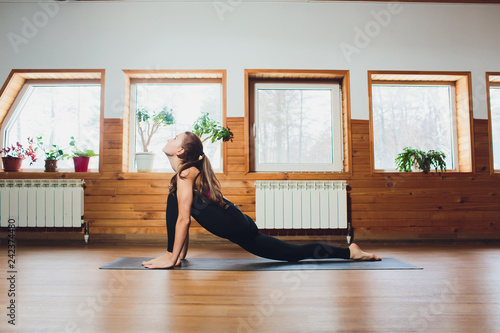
(205, 183)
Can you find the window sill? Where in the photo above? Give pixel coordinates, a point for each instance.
(299, 175)
(40, 174)
(421, 173)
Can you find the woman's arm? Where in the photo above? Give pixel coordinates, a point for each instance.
(185, 248)
(184, 199)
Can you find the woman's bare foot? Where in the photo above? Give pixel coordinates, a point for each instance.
(162, 259)
(358, 254)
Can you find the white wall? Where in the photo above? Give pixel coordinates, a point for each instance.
(236, 35)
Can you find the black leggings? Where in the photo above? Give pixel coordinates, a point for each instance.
(230, 223)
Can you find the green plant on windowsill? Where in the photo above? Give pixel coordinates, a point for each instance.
(53, 153)
(204, 126)
(77, 152)
(411, 157)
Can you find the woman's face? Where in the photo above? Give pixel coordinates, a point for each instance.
(174, 145)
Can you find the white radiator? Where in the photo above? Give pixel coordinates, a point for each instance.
(301, 204)
(41, 202)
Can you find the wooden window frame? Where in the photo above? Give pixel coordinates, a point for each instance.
(170, 76)
(19, 77)
(492, 80)
(463, 104)
(254, 76)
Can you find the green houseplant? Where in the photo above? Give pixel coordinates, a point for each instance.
(206, 128)
(411, 157)
(148, 123)
(53, 153)
(14, 155)
(81, 157)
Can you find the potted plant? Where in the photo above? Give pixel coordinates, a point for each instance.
(52, 155)
(13, 156)
(81, 157)
(206, 128)
(148, 123)
(413, 158)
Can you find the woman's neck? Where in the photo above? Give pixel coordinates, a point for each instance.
(174, 162)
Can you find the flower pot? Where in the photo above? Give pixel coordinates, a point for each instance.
(81, 163)
(144, 161)
(50, 165)
(12, 163)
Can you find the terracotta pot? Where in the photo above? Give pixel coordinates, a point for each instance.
(12, 163)
(81, 163)
(50, 165)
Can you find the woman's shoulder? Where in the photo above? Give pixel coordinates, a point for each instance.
(189, 173)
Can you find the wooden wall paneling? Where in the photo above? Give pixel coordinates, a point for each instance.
(423, 205)
(383, 206)
(112, 153)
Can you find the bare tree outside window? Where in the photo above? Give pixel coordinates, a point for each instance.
(421, 117)
(297, 129)
(295, 126)
(58, 112)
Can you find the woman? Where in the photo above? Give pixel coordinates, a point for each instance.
(195, 191)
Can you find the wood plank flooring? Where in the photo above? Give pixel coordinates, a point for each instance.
(59, 288)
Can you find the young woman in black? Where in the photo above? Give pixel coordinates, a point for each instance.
(195, 191)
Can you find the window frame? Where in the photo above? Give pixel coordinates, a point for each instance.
(21, 99)
(341, 77)
(133, 77)
(462, 106)
(337, 165)
(17, 84)
(492, 80)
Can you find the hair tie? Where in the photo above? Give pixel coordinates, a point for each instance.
(201, 156)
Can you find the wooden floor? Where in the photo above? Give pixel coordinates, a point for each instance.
(59, 288)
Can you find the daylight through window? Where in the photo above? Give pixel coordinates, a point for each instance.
(297, 127)
(56, 113)
(495, 125)
(418, 116)
(187, 102)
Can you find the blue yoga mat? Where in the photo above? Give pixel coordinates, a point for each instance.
(259, 264)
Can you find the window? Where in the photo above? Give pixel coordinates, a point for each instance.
(421, 117)
(425, 112)
(494, 119)
(297, 127)
(56, 108)
(188, 98)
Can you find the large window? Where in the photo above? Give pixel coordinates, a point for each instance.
(425, 112)
(494, 118)
(297, 127)
(417, 116)
(56, 110)
(187, 99)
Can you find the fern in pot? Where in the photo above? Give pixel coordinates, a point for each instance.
(412, 158)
